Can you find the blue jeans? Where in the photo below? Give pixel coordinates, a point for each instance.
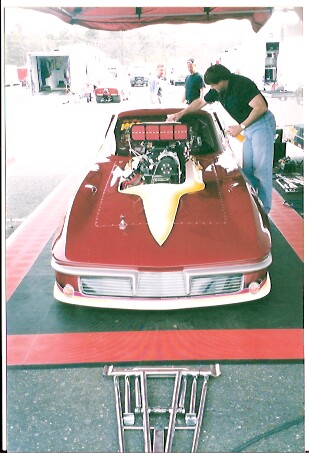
(258, 155)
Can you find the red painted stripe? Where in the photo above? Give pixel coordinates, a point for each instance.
(26, 243)
(96, 347)
(289, 223)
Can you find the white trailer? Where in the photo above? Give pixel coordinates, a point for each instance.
(68, 69)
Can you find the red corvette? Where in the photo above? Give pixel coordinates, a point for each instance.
(165, 221)
(112, 89)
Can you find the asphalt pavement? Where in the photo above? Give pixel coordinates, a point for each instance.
(249, 408)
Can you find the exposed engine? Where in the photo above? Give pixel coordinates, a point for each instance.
(158, 165)
(156, 161)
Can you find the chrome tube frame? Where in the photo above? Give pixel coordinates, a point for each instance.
(179, 418)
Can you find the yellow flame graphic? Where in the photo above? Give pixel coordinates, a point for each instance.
(161, 200)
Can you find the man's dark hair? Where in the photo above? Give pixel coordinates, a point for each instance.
(216, 73)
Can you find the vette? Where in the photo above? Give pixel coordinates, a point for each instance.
(164, 220)
(112, 89)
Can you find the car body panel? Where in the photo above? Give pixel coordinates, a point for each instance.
(213, 209)
(217, 226)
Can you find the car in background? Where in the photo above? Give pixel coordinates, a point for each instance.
(22, 72)
(112, 89)
(139, 76)
(178, 77)
(163, 220)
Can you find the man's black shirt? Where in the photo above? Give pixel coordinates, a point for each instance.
(235, 99)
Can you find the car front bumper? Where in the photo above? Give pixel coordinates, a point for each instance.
(164, 303)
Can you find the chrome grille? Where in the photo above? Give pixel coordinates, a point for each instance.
(215, 284)
(107, 286)
(161, 285)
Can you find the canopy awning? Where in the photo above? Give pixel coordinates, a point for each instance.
(127, 18)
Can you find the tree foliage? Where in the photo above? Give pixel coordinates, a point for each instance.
(150, 44)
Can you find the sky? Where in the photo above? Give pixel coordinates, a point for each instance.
(32, 20)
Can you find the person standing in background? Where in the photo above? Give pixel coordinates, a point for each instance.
(156, 85)
(194, 83)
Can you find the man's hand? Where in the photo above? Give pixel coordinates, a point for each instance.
(173, 117)
(234, 130)
(191, 108)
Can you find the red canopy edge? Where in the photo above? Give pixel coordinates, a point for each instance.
(128, 18)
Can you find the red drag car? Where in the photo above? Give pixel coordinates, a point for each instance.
(112, 89)
(165, 221)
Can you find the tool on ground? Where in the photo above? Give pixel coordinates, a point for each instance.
(158, 439)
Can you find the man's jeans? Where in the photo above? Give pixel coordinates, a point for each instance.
(258, 154)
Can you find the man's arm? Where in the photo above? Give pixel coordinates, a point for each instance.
(196, 105)
(258, 106)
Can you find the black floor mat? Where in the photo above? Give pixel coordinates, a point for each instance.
(32, 308)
